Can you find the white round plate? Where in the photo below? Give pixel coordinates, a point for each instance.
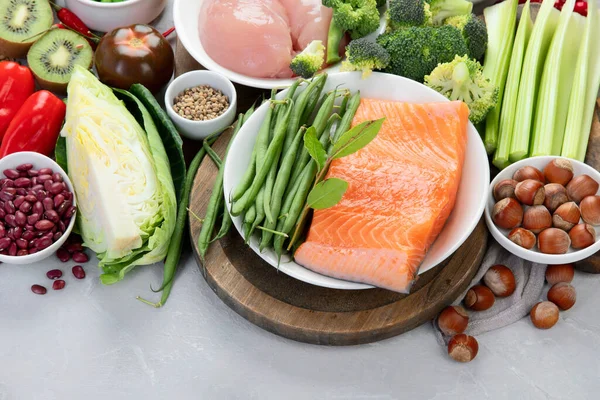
(501, 235)
(470, 200)
(186, 16)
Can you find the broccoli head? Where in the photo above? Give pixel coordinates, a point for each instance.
(442, 9)
(474, 31)
(365, 55)
(359, 17)
(416, 51)
(407, 13)
(310, 60)
(462, 79)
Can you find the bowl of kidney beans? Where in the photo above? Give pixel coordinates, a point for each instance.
(37, 207)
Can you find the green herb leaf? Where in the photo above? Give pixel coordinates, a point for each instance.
(327, 193)
(356, 138)
(314, 147)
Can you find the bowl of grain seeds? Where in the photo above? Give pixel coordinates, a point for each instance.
(201, 103)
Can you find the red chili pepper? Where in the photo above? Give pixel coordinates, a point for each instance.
(36, 125)
(16, 85)
(72, 21)
(168, 32)
(581, 7)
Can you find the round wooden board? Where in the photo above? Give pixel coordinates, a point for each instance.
(312, 314)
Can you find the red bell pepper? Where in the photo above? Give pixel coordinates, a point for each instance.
(16, 85)
(36, 125)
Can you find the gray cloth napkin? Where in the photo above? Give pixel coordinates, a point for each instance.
(530, 279)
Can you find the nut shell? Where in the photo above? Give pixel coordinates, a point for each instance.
(507, 213)
(479, 298)
(523, 238)
(453, 320)
(582, 186)
(582, 236)
(559, 170)
(563, 295)
(530, 192)
(566, 216)
(463, 348)
(590, 209)
(555, 196)
(501, 280)
(504, 189)
(554, 241)
(560, 273)
(536, 219)
(528, 172)
(544, 315)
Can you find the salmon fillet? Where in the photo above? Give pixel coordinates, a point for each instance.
(401, 189)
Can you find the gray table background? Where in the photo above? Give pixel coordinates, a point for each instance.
(90, 341)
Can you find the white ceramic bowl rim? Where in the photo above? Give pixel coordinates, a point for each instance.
(98, 4)
(199, 73)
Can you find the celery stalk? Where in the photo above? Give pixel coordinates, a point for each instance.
(511, 90)
(557, 81)
(501, 21)
(533, 65)
(585, 89)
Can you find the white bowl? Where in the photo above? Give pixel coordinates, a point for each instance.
(105, 17)
(200, 129)
(185, 15)
(470, 200)
(39, 161)
(501, 235)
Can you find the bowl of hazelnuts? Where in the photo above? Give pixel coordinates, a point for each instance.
(546, 210)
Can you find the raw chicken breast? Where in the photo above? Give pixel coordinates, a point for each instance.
(309, 20)
(251, 37)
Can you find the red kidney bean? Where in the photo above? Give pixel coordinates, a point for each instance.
(57, 177)
(10, 220)
(25, 207)
(2, 231)
(11, 173)
(44, 225)
(32, 243)
(28, 235)
(21, 192)
(52, 216)
(43, 178)
(63, 255)
(78, 272)
(9, 207)
(5, 243)
(68, 195)
(54, 274)
(30, 198)
(6, 196)
(21, 243)
(12, 249)
(33, 218)
(18, 201)
(48, 204)
(70, 211)
(11, 190)
(22, 174)
(57, 236)
(58, 284)
(74, 247)
(58, 200)
(22, 252)
(33, 172)
(32, 250)
(38, 208)
(18, 232)
(41, 195)
(47, 235)
(46, 171)
(36, 188)
(11, 233)
(48, 185)
(24, 167)
(22, 182)
(62, 226)
(20, 218)
(2, 212)
(79, 257)
(38, 289)
(43, 243)
(56, 188)
(8, 184)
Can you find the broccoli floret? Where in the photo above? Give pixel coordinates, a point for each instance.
(462, 79)
(416, 51)
(359, 17)
(365, 55)
(309, 61)
(407, 13)
(442, 9)
(474, 31)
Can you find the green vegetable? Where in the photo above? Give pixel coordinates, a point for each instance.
(359, 17)
(365, 55)
(406, 13)
(501, 20)
(310, 60)
(415, 52)
(442, 9)
(474, 31)
(462, 79)
(533, 64)
(585, 89)
(168, 133)
(326, 193)
(121, 176)
(555, 86)
(511, 89)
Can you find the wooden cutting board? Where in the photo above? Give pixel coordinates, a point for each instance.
(308, 313)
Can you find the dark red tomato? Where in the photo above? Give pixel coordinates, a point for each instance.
(134, 54)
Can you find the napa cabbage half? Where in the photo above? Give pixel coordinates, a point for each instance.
(120, 172)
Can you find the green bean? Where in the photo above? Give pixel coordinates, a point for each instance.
(260, 210)
(272, 152)
(313, 101)
(286, 224)
(214, 156)
(344, 104)
(269, 184)
(262, 141)
(249, 218)
(348, 116)
(301, 102)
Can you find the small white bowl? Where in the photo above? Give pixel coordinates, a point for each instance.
(39, 161)
(501, 235)
(198, 130)
(105, 17)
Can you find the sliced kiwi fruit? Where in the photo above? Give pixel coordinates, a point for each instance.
(53, 57)
(20, 22)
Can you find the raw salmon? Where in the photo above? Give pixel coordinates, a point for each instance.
(401, 189)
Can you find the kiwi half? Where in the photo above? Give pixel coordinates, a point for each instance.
(53, 57)
(20, 21)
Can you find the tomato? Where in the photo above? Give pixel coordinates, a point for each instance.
(134, 54)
